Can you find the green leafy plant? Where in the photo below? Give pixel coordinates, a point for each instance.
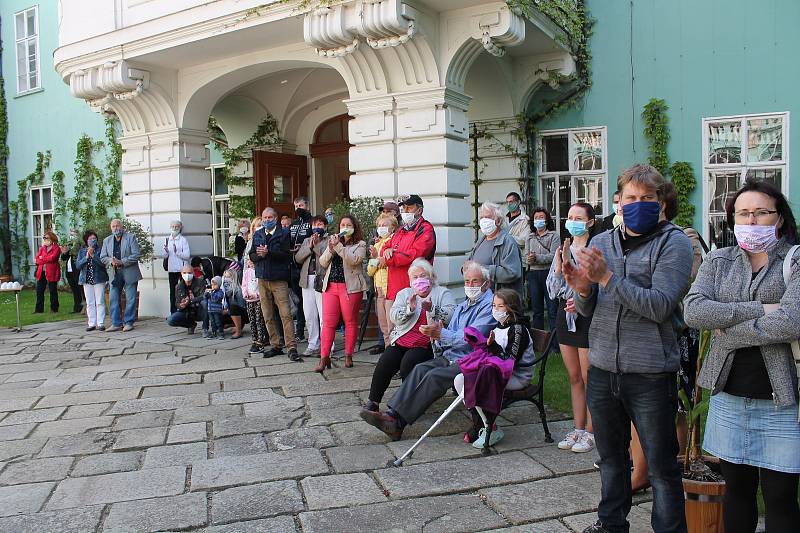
(682, 176)
(364, 208)
(656, 131)
(5, 223)
(142, 237)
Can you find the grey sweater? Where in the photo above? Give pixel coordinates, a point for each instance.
(725, 297)
(632, 327)
(505, 271)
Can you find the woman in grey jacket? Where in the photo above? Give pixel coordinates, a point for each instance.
(421, 304)
(540, 248)
(741, 296)
(497, 250)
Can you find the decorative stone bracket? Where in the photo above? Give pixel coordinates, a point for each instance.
(338, 30)
(100, 86)
(499, 29)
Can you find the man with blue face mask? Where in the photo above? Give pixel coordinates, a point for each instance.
(271, 254)
(121, 252)
(631, 282)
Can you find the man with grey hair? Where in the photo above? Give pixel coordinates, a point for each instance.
(271, 254)
(121, 252)
(176, 255)
(430, 380)
(497, 250)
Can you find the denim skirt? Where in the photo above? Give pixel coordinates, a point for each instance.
(753, 432)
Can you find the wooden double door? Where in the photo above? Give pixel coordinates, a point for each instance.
(279, 179)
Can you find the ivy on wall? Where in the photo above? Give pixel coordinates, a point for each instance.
(5, 223)
(266, 134)
(20, 213)
(656, 131)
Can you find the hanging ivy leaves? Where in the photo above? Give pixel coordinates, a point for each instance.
(683, 178)
(656, 131)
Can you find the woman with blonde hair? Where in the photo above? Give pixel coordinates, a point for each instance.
(386, 224)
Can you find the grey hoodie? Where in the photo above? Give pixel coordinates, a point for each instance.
(632, 329)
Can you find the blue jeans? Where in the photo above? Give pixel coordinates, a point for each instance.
(650, 401)
(537, 290)
(182, 318)
(216, 322)
(114, 292)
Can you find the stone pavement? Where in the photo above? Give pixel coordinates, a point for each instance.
(155, 430)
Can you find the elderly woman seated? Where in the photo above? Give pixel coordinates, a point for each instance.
(415, 307)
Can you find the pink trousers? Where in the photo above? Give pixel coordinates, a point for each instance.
(337, 303)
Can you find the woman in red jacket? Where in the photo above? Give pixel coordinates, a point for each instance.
(48, 272)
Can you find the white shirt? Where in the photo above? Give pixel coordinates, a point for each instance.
(178, 253)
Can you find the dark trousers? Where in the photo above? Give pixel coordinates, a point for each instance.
(650, 402)
(77, 291)
(395, 358)
(174, 278)
(183, 318)
(540, 300)
(739, 508)
(41, 285)
(426, 383)
(297, 298)
(216, 322)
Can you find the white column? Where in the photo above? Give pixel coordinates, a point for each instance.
(415, 143)
(164, 177)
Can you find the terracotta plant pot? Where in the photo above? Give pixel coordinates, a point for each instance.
(704, 503)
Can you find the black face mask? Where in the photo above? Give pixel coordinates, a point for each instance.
(300, 212)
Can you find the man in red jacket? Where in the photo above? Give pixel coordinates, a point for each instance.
(414, 239)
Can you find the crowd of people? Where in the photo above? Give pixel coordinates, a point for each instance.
(626, 294)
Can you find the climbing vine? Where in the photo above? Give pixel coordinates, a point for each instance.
(266, 134)
(5, 224)
(656, 131)
(682, 176)
(20, 213)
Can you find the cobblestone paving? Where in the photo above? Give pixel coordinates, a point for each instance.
(155, 430)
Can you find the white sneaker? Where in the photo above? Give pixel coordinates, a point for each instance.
(311, 351)
(585, 443)
(569, 441)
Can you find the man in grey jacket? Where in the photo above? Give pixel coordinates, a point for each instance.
(631, 283)
(121, 252)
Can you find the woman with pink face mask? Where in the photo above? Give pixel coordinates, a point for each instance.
(749, 297)
(421, 304)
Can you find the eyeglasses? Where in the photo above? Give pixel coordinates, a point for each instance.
(760, 214)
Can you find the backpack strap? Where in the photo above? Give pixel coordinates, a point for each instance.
(787, 273)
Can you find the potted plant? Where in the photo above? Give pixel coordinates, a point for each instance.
(703, 484)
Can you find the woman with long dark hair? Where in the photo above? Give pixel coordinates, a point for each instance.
(540, 249)
(342, 288)
(741, 296)
(573, 329)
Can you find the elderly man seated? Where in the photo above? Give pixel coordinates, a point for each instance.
(189, 292)
(430, 380)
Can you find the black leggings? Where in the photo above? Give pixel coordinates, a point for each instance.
(740, 511)
(52, 286)
(395, 358)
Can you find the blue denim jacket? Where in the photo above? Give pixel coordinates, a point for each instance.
(477, 315)
(100, 272)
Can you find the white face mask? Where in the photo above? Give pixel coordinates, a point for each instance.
(383, 231)
(408, 218)
(472, 292)
(187, 276)
(488, 226)
(500, 316)
(175, 232)
(616, 208)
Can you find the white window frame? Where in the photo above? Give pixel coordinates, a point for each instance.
(743, 166)
(571, 171)
(36, 240)
(215, 198)
(26, 40)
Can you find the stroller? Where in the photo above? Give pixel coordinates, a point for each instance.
(479, 390)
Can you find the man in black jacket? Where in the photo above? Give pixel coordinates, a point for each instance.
(68, 253)
(189, 292)
(271, 255)
(299, 231)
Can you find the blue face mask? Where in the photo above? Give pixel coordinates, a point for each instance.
(91, 242)
(117, 233)
(539, 224)
(269, 224)
(318, 231)
(576, 228)
(329, 217)
(641, 217)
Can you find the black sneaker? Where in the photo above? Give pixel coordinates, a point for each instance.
(254, 349)
(90, 328)
(375, 350)
(271, 352)
(300, 337)
(190, 330)
(597, 527)
(294, 356)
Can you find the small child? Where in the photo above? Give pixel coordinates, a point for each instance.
(286, 222)
(253, 305)
(216, 304)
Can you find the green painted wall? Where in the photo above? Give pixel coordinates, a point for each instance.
(706, 58)
(49, 119)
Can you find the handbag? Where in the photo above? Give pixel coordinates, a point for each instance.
(787, 272)
(165, 262)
